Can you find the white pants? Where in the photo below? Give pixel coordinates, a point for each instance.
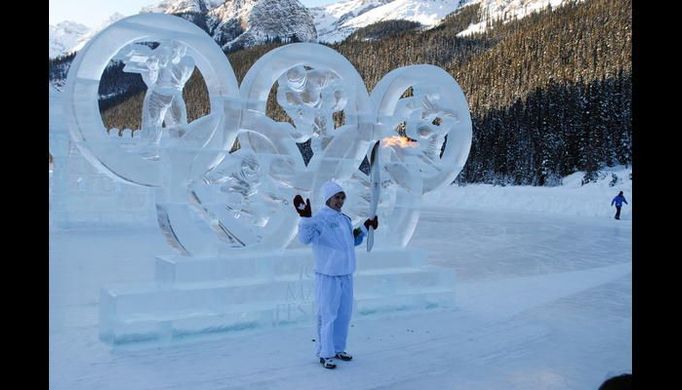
(334, 298)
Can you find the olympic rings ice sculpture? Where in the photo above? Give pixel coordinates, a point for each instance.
(211, 200)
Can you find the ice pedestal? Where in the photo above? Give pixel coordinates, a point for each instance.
(192, 296)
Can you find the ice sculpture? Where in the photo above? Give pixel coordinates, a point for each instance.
(164, 70)
(308, 79)
(225, 206)
(135, 160)
(425, 141)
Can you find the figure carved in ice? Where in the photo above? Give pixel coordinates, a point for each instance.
(164, 70)
(239, 195)
(425, 125)
(311, 97)
(425, 139)
(241, 186)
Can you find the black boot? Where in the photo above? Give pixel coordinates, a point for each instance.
(344, 356)
(327, 363)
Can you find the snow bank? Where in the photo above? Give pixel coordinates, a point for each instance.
(571, 198)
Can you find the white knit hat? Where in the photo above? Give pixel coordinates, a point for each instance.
(330, 189)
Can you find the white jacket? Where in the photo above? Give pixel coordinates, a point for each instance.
(331, 234)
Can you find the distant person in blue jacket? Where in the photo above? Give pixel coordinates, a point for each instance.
(618, 201)
(334, 241)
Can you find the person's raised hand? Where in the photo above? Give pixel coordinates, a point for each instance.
(374, 223)
(302, 208)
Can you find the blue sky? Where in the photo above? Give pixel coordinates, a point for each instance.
(93, 12)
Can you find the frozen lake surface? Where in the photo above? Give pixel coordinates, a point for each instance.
(543, 302)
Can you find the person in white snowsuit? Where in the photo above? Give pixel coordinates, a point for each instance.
(333, 239)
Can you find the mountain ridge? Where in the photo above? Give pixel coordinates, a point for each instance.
(234, 23)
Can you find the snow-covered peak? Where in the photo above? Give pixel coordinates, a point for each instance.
(237, 23)
(351, 7)
(234, 9)
(507, 10)
(68, 37)
(426, 12)
(230, 22)
(182, 6)
(248, 22)
(64, 36)
(336, 21)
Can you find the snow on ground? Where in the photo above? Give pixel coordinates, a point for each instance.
(571, 198)
(544, 295)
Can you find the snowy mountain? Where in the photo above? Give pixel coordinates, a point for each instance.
(337, 21)
(64, 36)
(243, 23)
(506, 10)
(232, 23)
(182, 6)
(237, 23)
(68, 37)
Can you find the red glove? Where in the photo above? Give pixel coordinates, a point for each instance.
(302, 208)
(372, 222)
